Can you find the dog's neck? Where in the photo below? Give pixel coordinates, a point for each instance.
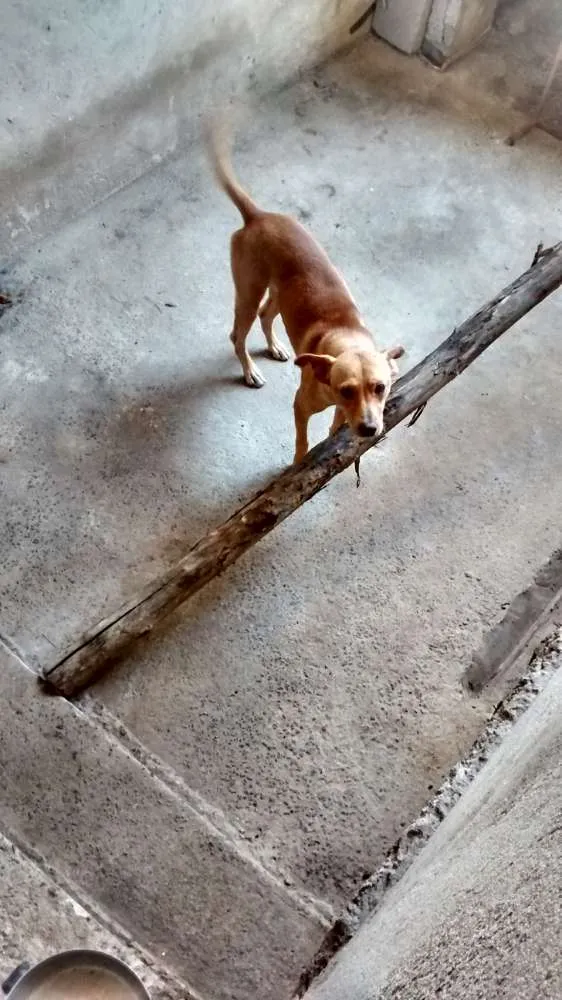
(325, 338)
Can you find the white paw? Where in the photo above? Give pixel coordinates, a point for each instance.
(254, 379)
(278, 352)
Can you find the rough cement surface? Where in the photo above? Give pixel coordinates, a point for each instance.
(40, 919)
(101, 820)
(312, 694)
(373, 893)
(478, 914)
(93, 94)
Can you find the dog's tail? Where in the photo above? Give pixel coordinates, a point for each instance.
(217, 144)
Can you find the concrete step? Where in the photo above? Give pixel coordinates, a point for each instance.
(41, 918)
(95, 815)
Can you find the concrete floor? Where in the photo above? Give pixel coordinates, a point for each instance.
(238, 777)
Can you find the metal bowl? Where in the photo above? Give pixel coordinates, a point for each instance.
(25, 982)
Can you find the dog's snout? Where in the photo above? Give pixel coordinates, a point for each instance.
(367, 430)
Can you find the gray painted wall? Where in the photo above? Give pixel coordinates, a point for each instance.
(94, 91)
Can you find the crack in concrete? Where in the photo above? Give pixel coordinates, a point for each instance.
(62, 891)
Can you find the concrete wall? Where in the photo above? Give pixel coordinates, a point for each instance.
(479, 912)
(512, 61)
(92, 92)
(443, 29)
(527, 39)
(456, 26)
(402, 23)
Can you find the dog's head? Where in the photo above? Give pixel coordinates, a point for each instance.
(360, 382)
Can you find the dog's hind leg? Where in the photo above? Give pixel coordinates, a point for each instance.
(250, 286)
(268, 311)
(244, 315)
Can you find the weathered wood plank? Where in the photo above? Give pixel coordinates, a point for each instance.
(220, 548)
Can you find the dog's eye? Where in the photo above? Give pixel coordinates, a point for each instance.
(379, 388)
(347, 392)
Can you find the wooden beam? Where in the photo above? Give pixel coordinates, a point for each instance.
(220, 548)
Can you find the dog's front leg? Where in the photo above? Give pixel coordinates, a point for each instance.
(338, 421)
(302, 416)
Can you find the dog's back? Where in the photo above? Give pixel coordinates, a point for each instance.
(309, 286)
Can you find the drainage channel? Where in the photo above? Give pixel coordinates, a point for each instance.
(544, 661)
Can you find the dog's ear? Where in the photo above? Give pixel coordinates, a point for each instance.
(392, 353)
(321, 365)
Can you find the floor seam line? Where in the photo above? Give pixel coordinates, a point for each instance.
(10, 646)
(10, 839)
(209, 815)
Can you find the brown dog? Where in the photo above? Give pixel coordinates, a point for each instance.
(340, 364)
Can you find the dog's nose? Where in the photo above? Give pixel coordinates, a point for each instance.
(367, 430)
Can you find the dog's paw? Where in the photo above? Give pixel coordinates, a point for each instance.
(278, 352)
(254, 379)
